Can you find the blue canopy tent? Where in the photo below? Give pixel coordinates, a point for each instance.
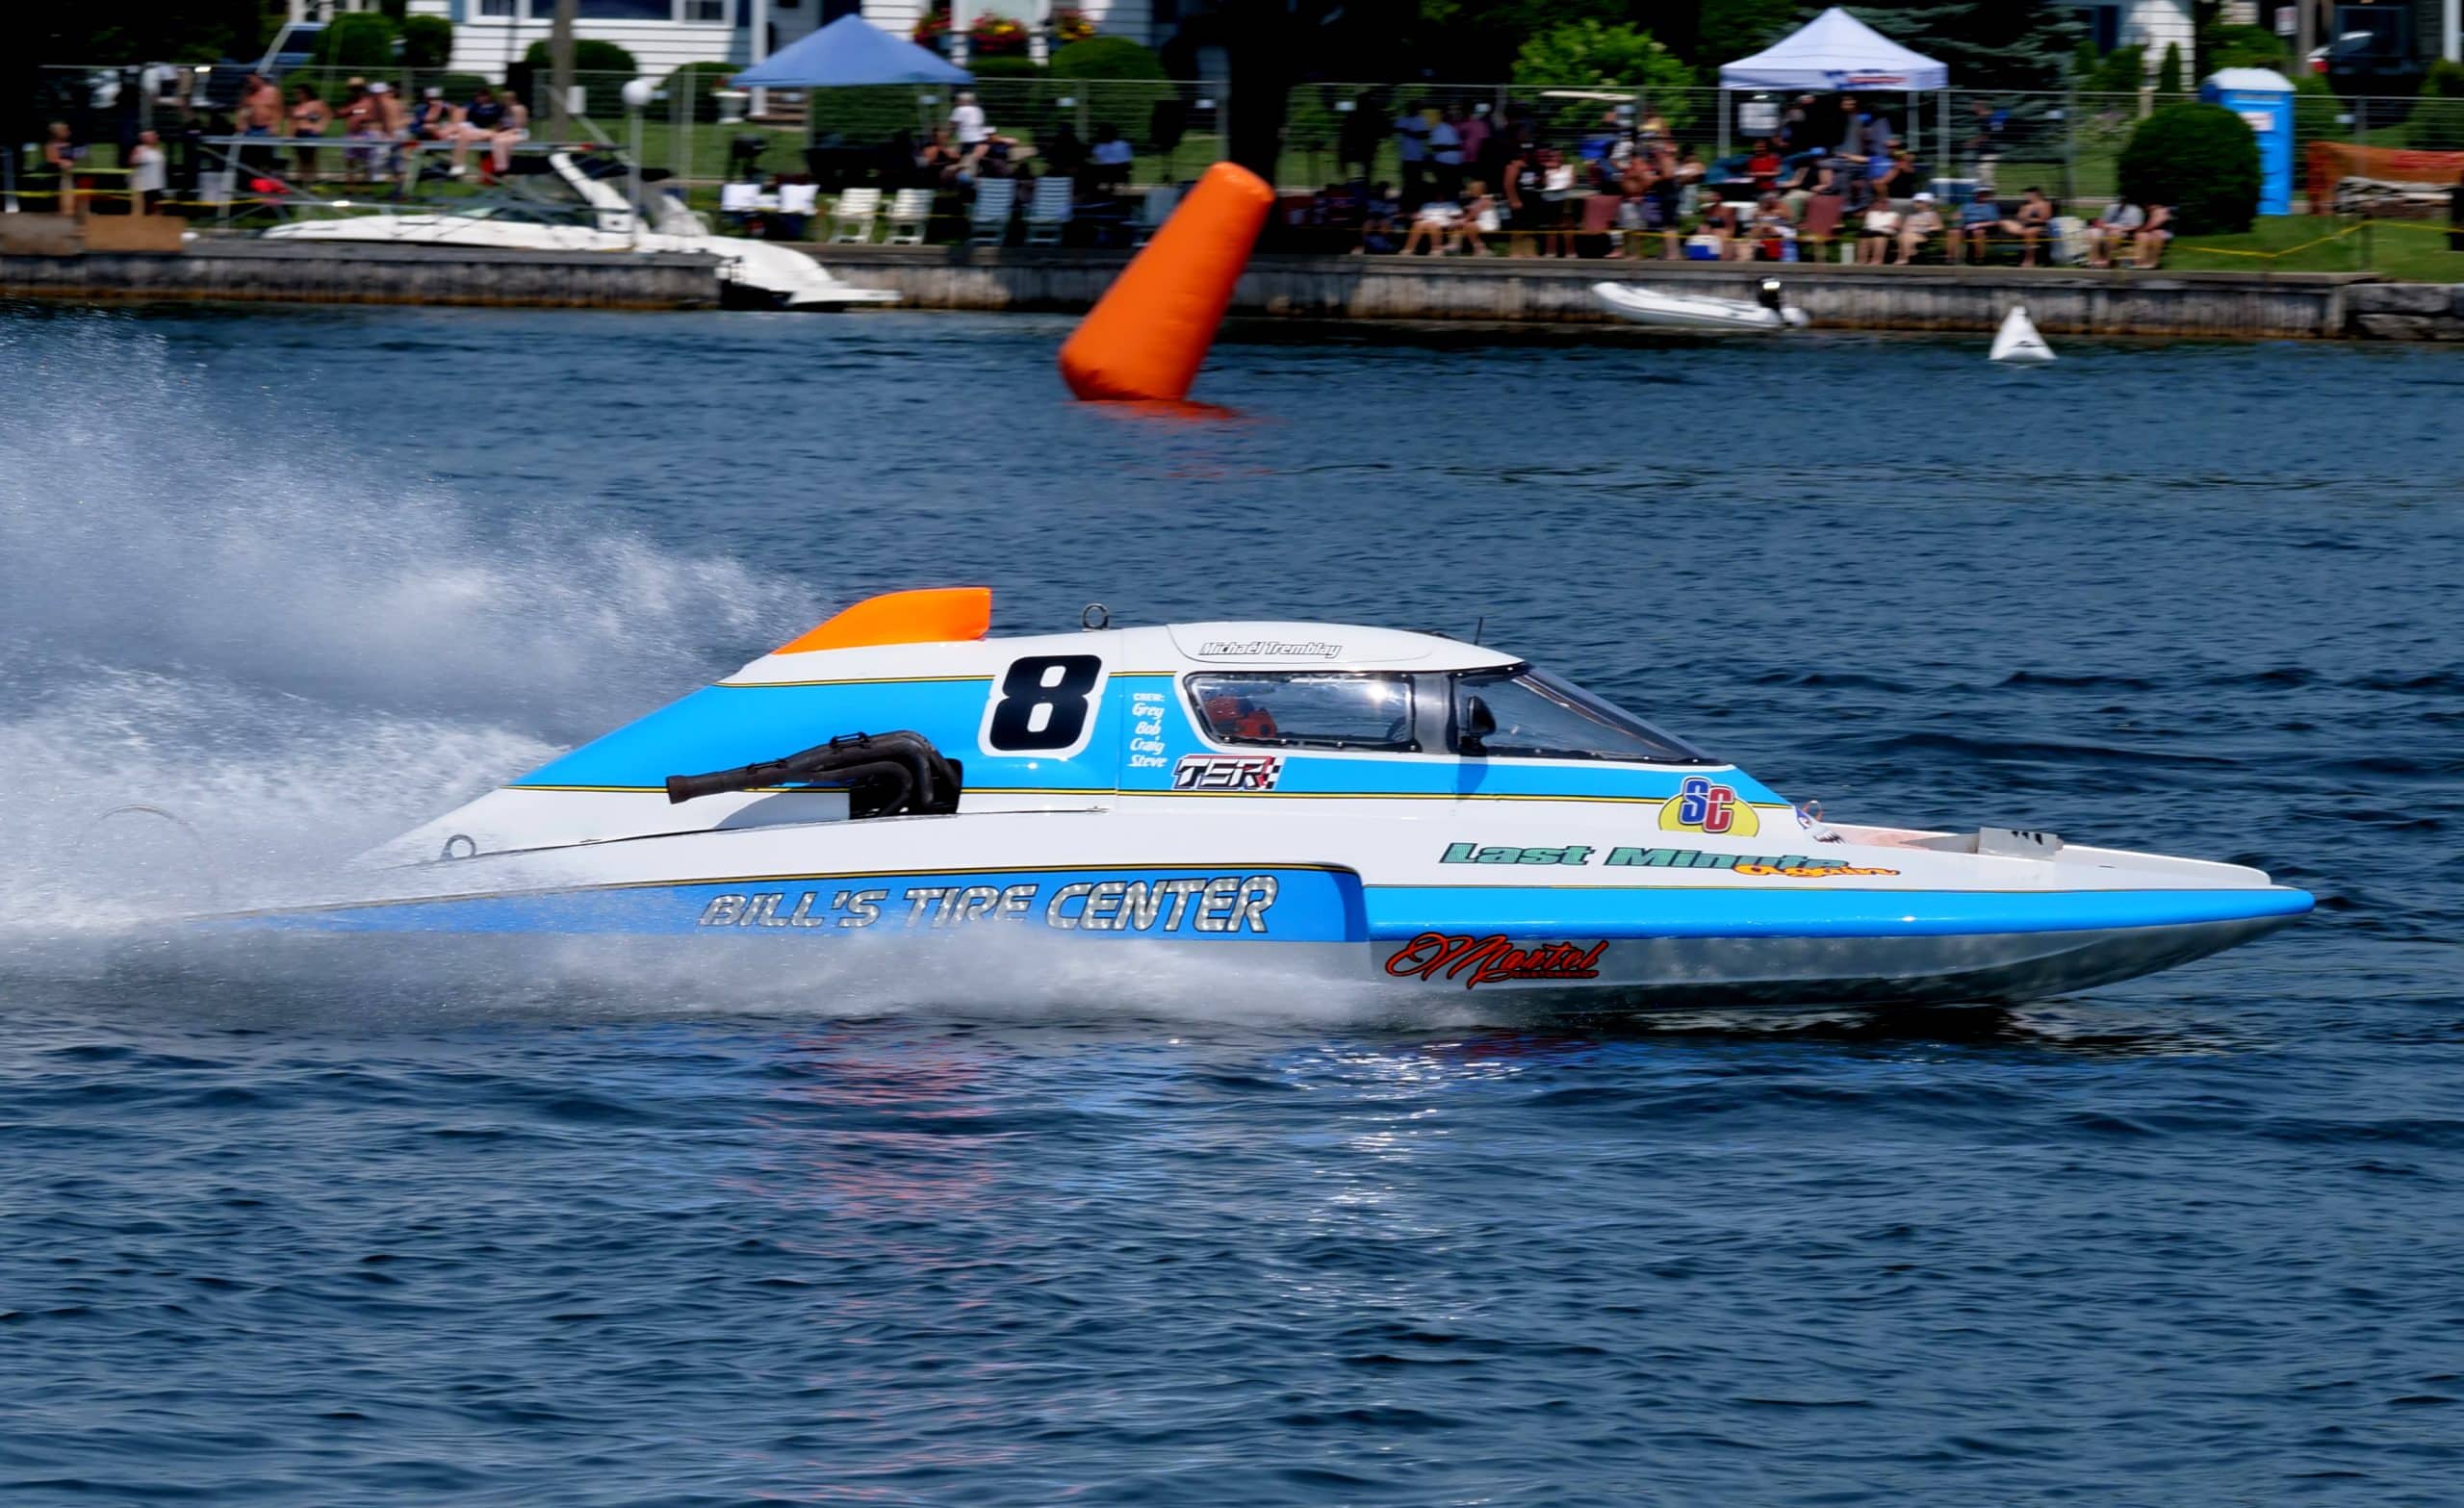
(851, 51)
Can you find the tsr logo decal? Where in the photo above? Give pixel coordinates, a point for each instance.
(1228, 772)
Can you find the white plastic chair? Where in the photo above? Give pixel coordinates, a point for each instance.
(988, 218)
(909, 212)
(1048, 212)
(851, 221)
(1153, 211)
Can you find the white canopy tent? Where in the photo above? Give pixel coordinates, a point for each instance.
(1833, 52)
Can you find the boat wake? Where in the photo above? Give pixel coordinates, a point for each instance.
(290, 645)
(246, 661)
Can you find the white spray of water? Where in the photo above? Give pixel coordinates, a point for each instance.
(297, 655)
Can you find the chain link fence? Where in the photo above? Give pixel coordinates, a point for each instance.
(699, 130)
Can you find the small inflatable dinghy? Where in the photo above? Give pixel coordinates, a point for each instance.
(1767, 311)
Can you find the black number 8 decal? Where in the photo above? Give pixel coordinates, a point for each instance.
(1044, 703)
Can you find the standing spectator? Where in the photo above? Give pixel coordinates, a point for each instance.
(1557, 197)
(1446, 152)
(1356, 143)
(1478, 135)
(966, 122)
(936, 164)
(259, 106)
(59, 164)
(1519, 179)
(1763, 167)
(359, 118)
(391, 124)
(147, 179)
(512, 131)
(1411, 149)
(1921, 223)
(309, 118)
(1064, 153)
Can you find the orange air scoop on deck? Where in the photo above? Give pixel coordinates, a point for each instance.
(936, 615)
(1143, 340)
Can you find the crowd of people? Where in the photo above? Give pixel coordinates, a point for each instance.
(1833, 172)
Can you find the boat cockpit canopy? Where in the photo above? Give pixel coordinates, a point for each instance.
(1514, 711)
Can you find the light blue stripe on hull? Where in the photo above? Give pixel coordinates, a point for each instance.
(1403, 911)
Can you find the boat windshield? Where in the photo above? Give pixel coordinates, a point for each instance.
(1309, 710)
(1541, 717)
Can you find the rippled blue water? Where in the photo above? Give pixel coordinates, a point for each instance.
(316, 1232)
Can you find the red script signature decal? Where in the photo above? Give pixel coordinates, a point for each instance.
(1488, 960)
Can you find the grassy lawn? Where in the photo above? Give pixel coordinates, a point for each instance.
(2408, 250)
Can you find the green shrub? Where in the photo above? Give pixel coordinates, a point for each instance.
(1007, 65)
(2242, 47)
(604, 67)
(2203, 159)
(360, 41)
(2168, 72)
(2437, 120)
(427, 42)
(697, 83)
(1107, 58)
(2120, 72)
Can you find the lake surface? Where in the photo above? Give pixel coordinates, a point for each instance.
(292, 1232)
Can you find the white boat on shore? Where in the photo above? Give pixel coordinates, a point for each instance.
(1766, 313)
(591, 214)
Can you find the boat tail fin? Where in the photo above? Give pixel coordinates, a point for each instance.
(936, 615)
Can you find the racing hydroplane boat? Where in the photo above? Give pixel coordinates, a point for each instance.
(1368, 804)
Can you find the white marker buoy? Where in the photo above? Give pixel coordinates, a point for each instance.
(2018, 340)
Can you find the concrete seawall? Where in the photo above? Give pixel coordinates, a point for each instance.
(338, 273)
(1546, 291)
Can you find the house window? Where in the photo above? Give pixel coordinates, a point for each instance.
(496, 10)
(2104, 25)
(608, 10)
(707, 12)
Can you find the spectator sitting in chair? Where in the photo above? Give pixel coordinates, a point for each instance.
(2115, 232)
(2030, 225)
(1920, 224)
(1377, 215)
(1108, 160)
(2152, 235)
(1978, 218)
(1763, 167)
(1770, 232)
(1879, 228)
(1720, 222)
(1433, 226)
(1480, 219)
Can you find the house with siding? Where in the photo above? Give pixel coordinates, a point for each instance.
(490, 35)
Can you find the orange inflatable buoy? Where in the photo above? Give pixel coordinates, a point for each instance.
(1143, 340)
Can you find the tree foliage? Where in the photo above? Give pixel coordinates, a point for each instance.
(1586, 54)
(2168, 72)
(362, 41)
(1987, 45)
(427, 41)
(2203, 159)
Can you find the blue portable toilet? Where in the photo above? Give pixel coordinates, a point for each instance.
(2263, 98)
